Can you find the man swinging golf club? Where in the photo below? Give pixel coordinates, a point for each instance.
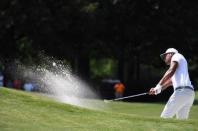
(181, 100)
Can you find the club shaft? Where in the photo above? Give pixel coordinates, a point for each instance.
(141, 94)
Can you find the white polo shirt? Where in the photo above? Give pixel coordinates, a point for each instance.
(181, 76)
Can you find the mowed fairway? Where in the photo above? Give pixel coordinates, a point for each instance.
(21, 111)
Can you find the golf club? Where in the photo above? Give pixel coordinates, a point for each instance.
(141, 94)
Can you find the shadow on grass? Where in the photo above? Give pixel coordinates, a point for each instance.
(195, 102)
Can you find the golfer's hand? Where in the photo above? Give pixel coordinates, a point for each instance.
(155, 91)
(152, 91)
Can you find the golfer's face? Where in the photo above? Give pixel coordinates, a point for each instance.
(167, 58)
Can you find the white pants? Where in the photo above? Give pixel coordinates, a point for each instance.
(179, 104)
(118, 95)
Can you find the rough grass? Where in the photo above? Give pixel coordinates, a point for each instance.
(21, 111)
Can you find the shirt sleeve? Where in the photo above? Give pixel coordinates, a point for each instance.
(176, 57)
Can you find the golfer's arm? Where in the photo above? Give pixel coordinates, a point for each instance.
(166, 79)
(167, 84)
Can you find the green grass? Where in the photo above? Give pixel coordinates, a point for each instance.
(21, 111)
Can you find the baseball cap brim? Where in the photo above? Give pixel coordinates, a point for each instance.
(162, 55)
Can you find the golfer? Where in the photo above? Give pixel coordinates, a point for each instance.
(181, 100)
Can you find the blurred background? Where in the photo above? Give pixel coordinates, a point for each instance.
(102, 41)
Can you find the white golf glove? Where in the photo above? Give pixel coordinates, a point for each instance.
(158, 89)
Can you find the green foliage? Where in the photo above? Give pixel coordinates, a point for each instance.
(26, 51)
(118, 29)
(91, 7)
(103, 68)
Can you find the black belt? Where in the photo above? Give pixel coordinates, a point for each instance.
(184, 87)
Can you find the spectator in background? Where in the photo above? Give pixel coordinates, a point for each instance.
(119, 89)
(1, 79)
(9, 84)
(28, 86)
(17, 84)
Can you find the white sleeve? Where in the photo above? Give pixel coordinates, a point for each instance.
(176, 57)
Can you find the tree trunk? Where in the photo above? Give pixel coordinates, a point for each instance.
(120, 69)
(81, 66)
(137, 68)
(123, 70)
